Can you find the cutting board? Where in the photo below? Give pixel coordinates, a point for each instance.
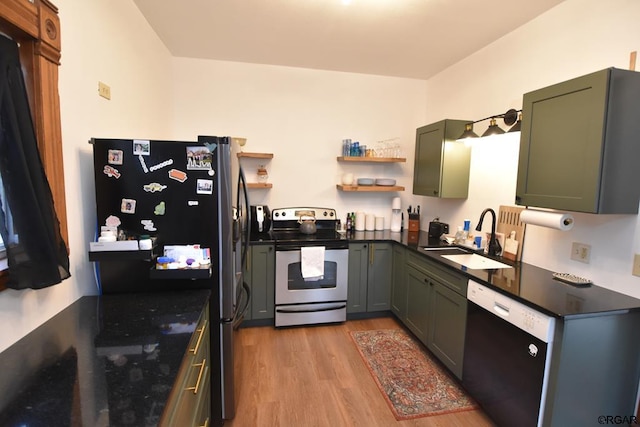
(508, 221)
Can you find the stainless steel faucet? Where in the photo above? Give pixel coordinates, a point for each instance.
(494, 247)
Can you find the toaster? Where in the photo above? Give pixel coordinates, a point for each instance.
(437, 228)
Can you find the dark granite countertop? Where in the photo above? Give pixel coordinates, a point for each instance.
(102, 361)
(531, 285)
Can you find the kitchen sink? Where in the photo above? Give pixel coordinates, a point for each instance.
(475, 261)
(444, 248)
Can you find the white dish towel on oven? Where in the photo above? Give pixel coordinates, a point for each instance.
(312, 262)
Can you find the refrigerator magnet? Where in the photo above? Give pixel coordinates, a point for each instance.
(154, 187)
(141, 147)
(111, 172)
(143, 163)
(199, 158)
(159, 209)
(178, 175)
(112, 221)
(161, 165)
(128, 206)
(148, 224)
(114, 157)
(204, 186)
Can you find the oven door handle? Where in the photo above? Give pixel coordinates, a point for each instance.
(292, 310)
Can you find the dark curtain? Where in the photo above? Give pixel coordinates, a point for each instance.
(37, 254)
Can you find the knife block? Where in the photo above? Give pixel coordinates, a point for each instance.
(414, 222)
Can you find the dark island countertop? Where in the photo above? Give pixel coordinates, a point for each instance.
(102, 361)
(531, 285)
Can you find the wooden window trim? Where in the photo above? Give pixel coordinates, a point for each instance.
(35, 25)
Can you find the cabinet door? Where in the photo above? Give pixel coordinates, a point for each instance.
(417, 318)
(447, 325)
(441, 167)
(358, 269)
(262, 282)
(379, 277)
(399, 284)
(560, 158)
(578, 146)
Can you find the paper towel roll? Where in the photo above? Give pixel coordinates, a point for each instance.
(359, 221)
(557, 220)
(370, 222)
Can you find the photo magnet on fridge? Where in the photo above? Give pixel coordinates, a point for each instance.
(114, 157)
(199, 158)
(128, 206)
(204, 186)
(141, 147)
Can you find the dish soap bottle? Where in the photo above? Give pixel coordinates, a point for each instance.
(459, 237)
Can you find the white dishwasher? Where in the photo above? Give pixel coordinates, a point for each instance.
(506, 356)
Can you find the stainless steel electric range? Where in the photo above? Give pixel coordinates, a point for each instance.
(311, 269)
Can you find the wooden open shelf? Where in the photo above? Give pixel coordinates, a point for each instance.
(255, 155)
(259, 185)
(369, 188)
(372, 159)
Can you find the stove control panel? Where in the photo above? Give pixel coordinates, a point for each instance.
(288, 214)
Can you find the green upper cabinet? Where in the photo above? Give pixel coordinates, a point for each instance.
(579, 146)
(441, 167)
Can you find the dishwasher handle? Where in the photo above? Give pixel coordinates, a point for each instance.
(501, 309)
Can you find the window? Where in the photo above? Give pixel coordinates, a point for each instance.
(35, 25)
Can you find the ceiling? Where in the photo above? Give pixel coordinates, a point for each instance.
(402, 38)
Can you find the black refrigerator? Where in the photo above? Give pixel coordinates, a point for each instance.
(185, 198)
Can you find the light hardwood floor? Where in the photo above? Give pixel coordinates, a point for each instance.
(314, 376)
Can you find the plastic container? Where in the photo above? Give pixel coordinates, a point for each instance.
(162, 263)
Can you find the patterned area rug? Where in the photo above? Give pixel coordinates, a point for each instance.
(413, 383)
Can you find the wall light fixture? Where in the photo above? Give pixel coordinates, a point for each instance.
(511, 117)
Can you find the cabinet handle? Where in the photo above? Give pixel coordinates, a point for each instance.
(197, 386)
(371, 256)
(194, 350)
(270, 248)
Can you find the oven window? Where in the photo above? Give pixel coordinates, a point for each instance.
(295, 281)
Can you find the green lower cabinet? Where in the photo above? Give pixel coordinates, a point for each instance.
(447, 325)
(370, 277)
(399, 284)
(417, 318)
(379, 276)
(435, 308)
(358, 265)
(260, 277)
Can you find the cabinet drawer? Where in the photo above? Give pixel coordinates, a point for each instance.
(444, 275)
(188, 404)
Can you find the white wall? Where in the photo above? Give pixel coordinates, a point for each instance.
(301, 116)
(575, 38)
(111, 42)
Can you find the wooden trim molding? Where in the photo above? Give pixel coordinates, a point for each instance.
(36, 26)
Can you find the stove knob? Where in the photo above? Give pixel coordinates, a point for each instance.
(325, 213)
(284, 214)
(331, 214)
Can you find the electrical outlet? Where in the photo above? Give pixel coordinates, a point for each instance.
(104, 90)
(636, 265)
(580, 252)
